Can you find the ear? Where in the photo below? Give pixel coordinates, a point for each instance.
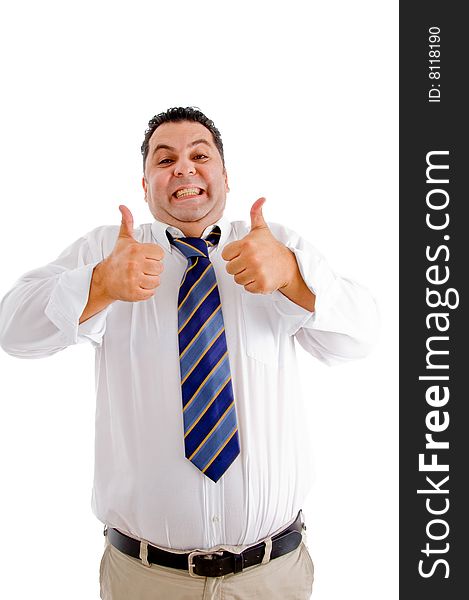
(144, 185)
(227, 187)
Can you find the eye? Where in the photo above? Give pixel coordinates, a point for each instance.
(165, 161)
(200, 156)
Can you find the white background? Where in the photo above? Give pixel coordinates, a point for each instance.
(305, 96)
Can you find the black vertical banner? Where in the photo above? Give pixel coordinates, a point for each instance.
(434, 231)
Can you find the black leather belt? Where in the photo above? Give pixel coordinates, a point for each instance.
(214, 564)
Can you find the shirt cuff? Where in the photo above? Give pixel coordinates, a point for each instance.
(67, 303)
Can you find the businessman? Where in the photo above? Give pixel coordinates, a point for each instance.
(202, 460)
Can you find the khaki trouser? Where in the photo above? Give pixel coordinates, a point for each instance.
(289, 577)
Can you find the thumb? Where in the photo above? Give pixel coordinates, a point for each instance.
(127, 223)
(257, 218)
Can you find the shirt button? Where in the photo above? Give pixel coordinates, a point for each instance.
(216, 519)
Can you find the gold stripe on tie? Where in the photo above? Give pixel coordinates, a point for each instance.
(187, 271)
(203, 382)
(211, 431)
(195, 309)
(202, 355)
(222, 387)
(200, 331)
(199, 253)
(219, 450)
(193, 286)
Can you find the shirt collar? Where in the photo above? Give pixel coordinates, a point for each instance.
(158, 231)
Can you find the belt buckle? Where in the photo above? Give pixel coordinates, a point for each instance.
(191, 563)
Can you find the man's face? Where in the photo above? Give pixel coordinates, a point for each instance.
(185, 182)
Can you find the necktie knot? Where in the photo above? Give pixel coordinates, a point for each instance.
(194, 246)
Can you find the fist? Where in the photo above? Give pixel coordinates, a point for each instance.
(259, 262)
(132, 271)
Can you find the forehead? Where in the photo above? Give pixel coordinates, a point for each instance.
(180, 134)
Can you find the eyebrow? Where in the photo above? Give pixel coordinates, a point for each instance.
(194, 143)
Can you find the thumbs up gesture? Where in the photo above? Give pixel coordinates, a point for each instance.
(132, 271)
(259, 262)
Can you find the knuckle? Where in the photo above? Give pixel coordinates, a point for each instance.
(131, 267)
(153, 250)
(134, 249)
(256, 261)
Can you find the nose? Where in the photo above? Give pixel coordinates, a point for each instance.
(184, 167)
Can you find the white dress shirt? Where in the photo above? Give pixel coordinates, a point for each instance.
(143, 484)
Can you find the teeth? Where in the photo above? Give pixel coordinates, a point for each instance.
(187, 192)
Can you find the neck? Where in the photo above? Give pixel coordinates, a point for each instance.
(194, 229)
(191, 231)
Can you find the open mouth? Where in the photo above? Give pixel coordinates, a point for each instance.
(187, 192)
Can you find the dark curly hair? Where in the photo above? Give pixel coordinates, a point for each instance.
(178, 113)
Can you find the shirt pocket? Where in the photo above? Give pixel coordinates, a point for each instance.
(262, 328)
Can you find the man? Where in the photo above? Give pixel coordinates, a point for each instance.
(202, 464)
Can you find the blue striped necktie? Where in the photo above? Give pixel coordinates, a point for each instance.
(210, 427)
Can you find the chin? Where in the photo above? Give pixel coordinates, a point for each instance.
(190, 215)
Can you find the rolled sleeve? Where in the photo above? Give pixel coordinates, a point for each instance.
(40, 315)
(66, 305)
(344, 324)
(319, 278)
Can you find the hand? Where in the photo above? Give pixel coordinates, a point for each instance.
(259, 262)
(132, 271)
